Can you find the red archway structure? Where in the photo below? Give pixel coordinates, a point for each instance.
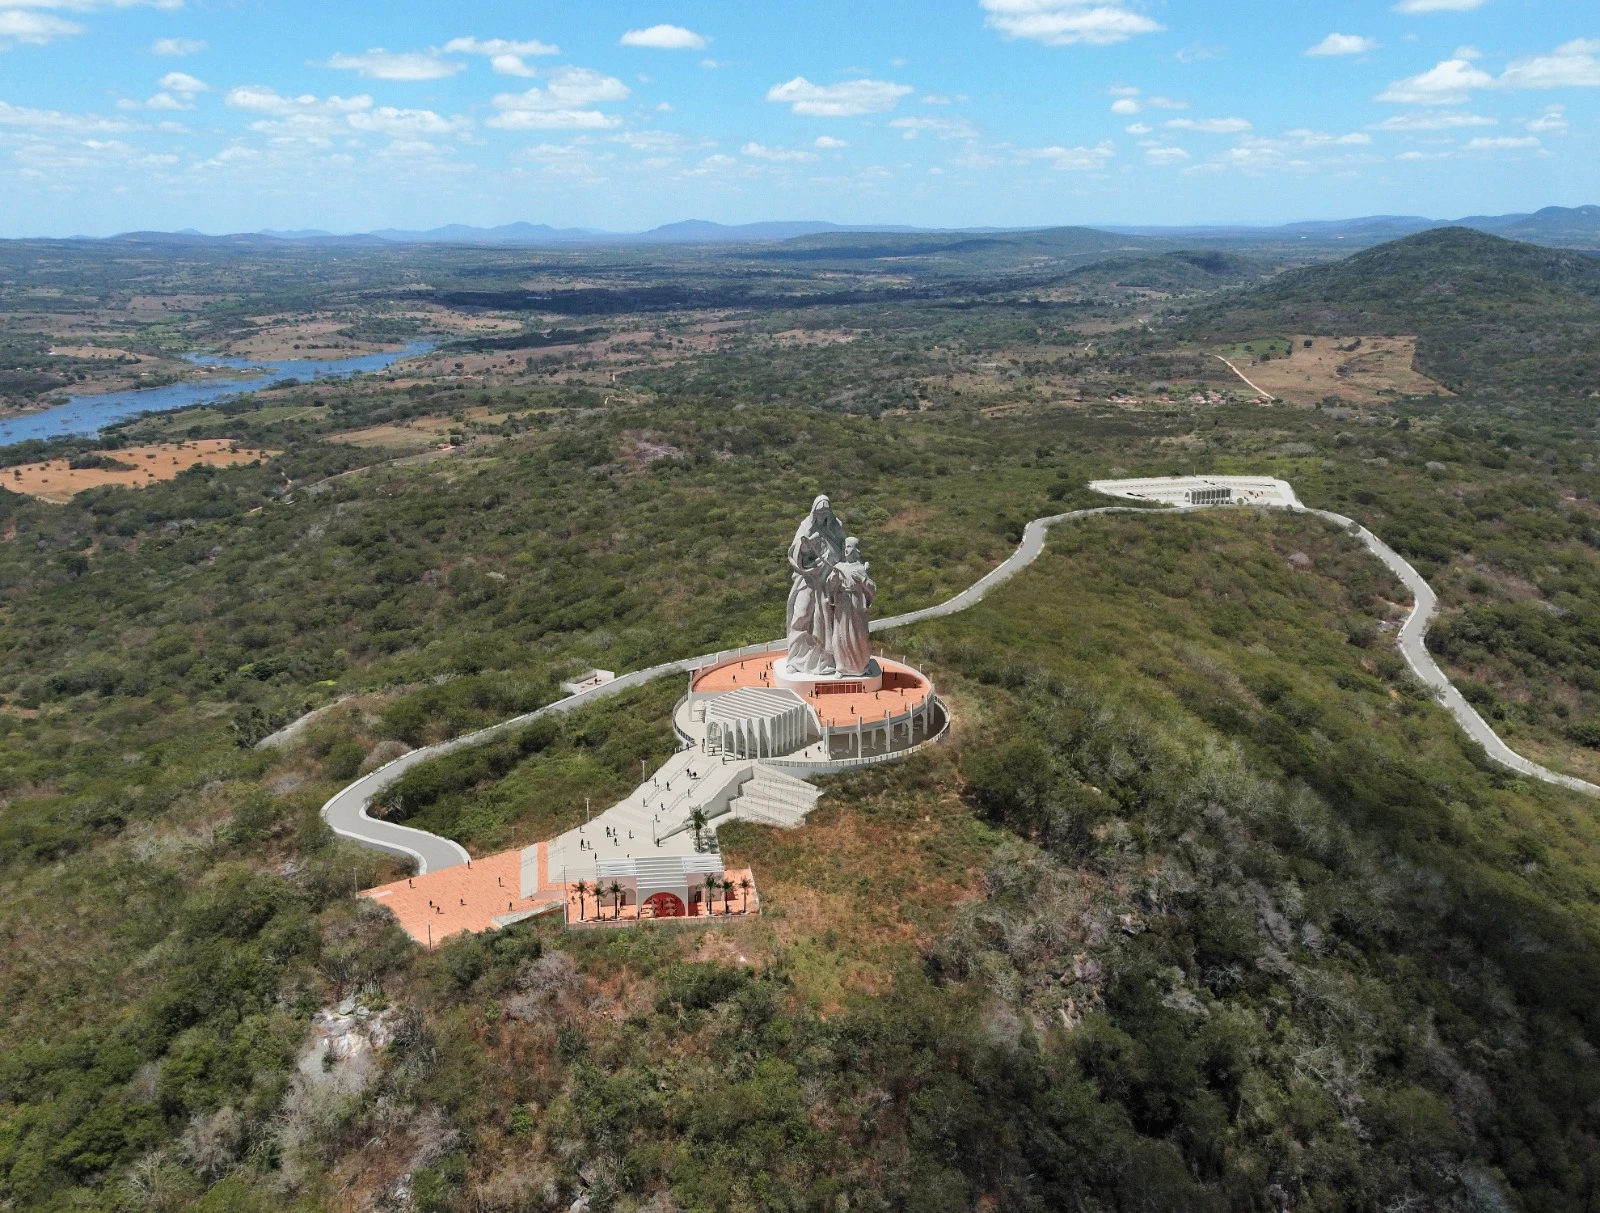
(665, 905)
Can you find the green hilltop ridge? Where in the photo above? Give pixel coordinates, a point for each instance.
(1205, 906)
(1487, 312)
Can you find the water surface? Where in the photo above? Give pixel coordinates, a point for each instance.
(91, 414)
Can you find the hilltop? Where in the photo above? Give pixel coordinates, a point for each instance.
(1487, 312)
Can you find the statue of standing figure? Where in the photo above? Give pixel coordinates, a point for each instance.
(829, 598)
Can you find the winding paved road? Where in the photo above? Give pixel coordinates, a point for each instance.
(346, 811)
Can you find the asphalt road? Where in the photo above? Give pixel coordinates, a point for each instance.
(346, 812)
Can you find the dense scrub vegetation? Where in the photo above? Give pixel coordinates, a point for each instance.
(1206, 906)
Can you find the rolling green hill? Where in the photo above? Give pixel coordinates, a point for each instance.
(1488, 313)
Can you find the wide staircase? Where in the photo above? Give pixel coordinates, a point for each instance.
(773, 798)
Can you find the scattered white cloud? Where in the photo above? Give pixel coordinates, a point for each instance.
(1447, 83)
(1344, 44)
(942, 128)
(379, 64)
(1432, 120)
(1209, 126)
(176, 48)
(259, 98)
(1067, 22)
(563, 104)
(1574, 64)
(666, 38)
(182, 82)
(55, 120)
(178, 91)
(1553, 121)
(1074, 159)
(34, 28)
(1437, 6)
(944, 99)
(1165, 155)
(1138, 128)
(780, 155)
(1198, 52)
(829, 144)
(1491, 143)
(506, 56)
(1130, 100)
(847, 100)
(387, 120)
(1310, 138)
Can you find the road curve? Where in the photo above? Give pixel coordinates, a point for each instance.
(346, 811)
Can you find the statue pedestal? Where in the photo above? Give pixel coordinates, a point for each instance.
(808, 685)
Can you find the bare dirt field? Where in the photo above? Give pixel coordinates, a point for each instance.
(1360, 370)
(416, 433)
(56, 481)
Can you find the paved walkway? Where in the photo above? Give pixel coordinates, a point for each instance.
(346, 811)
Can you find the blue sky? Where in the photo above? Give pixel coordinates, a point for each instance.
(235, 115)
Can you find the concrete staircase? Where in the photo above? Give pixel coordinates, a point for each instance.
(773, 798)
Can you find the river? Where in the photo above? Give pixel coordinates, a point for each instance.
(91, 414)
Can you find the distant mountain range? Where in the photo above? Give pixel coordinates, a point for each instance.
(1576, 227)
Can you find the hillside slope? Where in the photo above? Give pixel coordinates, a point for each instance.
(1488, 313)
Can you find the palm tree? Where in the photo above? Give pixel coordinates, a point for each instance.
(582, 891)
(711, 891)
(697, 819)
(744, 890)
(727, 891)
(616, 900)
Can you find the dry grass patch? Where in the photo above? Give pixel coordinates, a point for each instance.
(133, 467)
(1362, 370)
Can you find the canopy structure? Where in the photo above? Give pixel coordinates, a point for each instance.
(754, 722)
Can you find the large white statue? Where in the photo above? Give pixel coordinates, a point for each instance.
(829, 599)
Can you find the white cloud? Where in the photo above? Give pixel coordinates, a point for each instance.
(1138, 128)
(1486, 143)
(942, 99)
(562, 105)
(260, 99)
(1126, 105)
(34, 28)
(178, 91)
(778, 154)
(1309, 138)
(828, 143)
(1067, 22)
(387, 120)
(182, 82)
(1074, 159)
(1344, 44)
(1209, 126)
(665, 38)
(943, 128)
(1165, 155)
(1553, 121)
(1437, 6)
(1574, 64)
(379, 64)
(177, 47)
(55, 120)
(847, 100)
(1446, 83)
(1432, 120)
(505, 55)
